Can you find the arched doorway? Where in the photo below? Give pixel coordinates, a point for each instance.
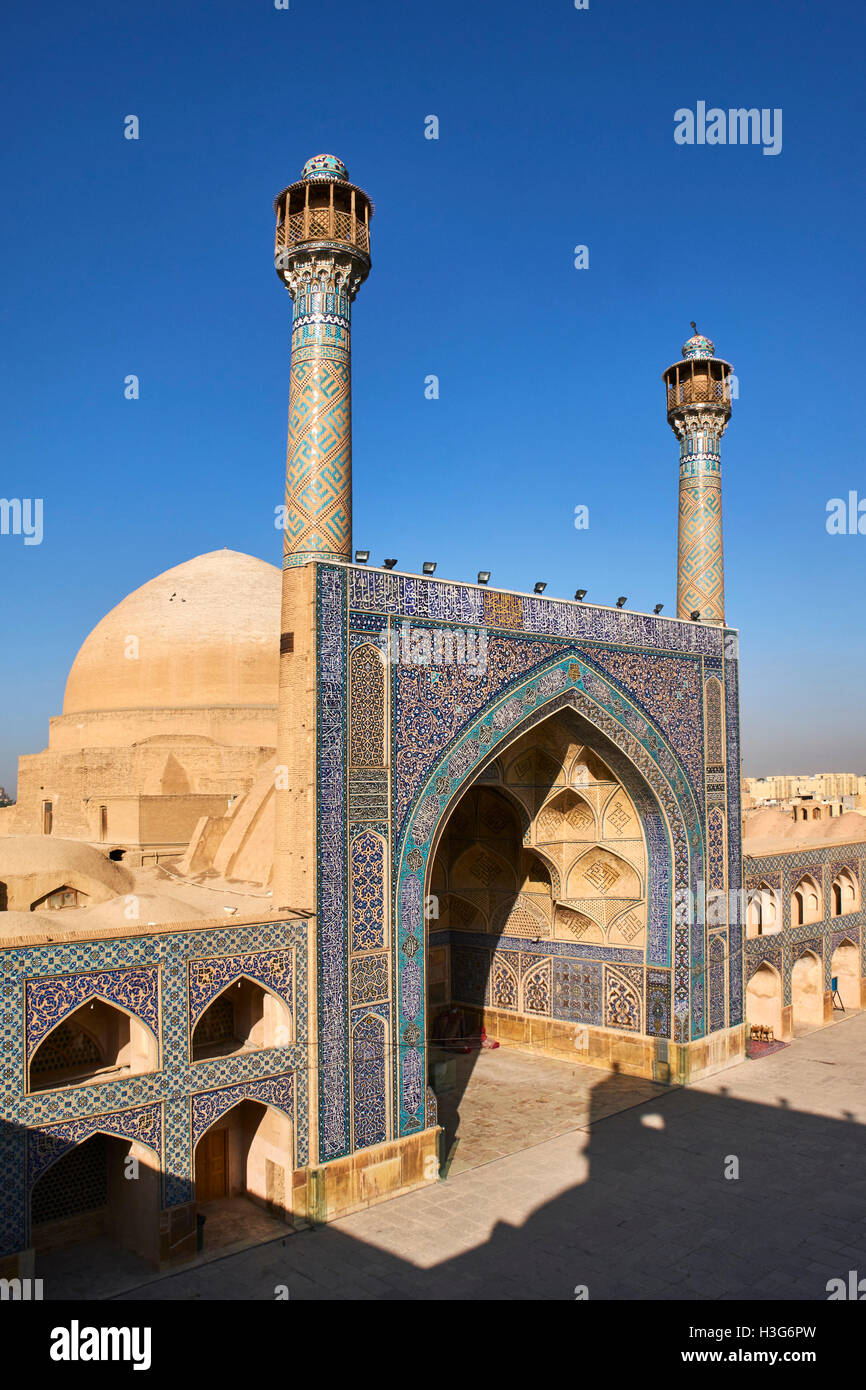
(246, 1153)
(542, 857)
(96, 1042)
(105, 1188)
(846, 893)
(762, 916)
(764, 999)
(807, 992)
(244, 1017)
(806, 902)
(845, 966)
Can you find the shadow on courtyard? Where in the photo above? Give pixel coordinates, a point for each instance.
(645, 1211)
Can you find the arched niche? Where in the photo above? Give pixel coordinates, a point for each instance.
(764, 999)
(87, 1193)
(247, 1152)
(762, 915)
(845, 893)
(806, 902)
(807, 990)
(845, 968)
(98, 1041)
(243, 1017)
(566, 817)
(601, 872)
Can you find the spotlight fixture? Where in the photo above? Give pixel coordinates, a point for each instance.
(361, 557)
(389, 564)
(580, 595)
(540, 586)
(658, 608)
(695, 614)
(621, 601)
(429, 566)
(483, 576)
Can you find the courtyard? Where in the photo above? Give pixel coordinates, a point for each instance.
(571, 1179)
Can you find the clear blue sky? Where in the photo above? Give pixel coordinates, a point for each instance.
(556, 129)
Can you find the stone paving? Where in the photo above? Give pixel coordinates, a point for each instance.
(633, 1204)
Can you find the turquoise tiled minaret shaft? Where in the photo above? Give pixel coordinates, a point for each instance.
(699, 407)
(322, 255)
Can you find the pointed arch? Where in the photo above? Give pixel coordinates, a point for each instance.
(246, 1148)
(566, 815)
(845, 969)
(95, 1040)
(764, 999)
(640, 758)
(245, 1015)
(763, 911)
(807, 989)
(845, 893)
(366, 707)
(599, 871)
(806, 901)
(370, 1075)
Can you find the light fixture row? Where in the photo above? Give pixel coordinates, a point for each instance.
(429, 567)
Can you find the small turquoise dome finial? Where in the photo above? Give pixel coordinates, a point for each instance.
(698, 346)
(324, 166)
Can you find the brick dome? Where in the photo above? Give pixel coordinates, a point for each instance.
(204, 635)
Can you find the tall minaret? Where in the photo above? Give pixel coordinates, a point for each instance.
(322, 254)
(699, 407)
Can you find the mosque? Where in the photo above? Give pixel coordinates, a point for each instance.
(289, 821)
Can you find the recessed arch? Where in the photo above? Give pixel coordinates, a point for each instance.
(845, 969)
(244, 1016)
(83, 1191)
(807, 990)
(845, 893)
(764, 999)
(370, 1079)
(98, 1040)
(247, 1151)
(806, 901)
(601, 871)
(763, 917)
(670, 819)
(566, 816)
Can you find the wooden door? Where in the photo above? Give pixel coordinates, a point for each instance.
(211, 1166)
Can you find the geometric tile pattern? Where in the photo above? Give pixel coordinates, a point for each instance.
(51, 999)
(332, 892)
(369, 1077)
(208, 978)
(622, 998)
(318, 516)
(45, 1146)
(124, 970)
(638, 683)
(700, 576)
(208, 1106)
(368, 892)
(718, 975)
(782, 872)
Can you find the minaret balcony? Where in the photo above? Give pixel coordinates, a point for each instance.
(698, 390)
(322, 224)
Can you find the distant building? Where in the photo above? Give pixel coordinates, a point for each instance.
(819, 785)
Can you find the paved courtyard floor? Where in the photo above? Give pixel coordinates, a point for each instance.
(631, 1204)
